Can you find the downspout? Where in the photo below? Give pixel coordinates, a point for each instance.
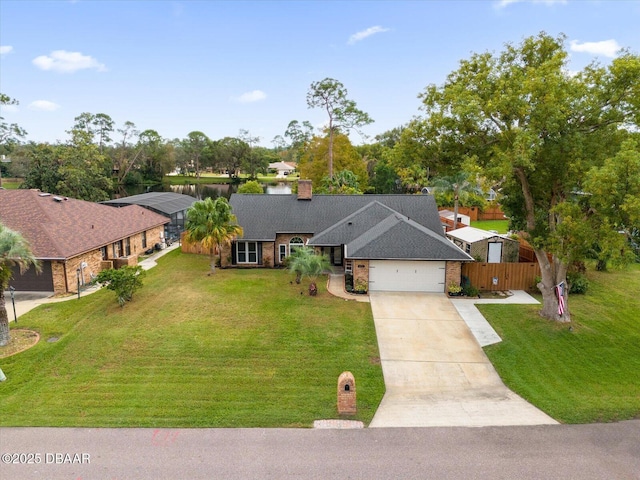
(66, 283)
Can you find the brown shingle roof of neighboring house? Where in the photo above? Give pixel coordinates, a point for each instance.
(60, 227)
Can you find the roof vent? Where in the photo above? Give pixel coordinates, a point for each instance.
(44, 194)
(57, 199)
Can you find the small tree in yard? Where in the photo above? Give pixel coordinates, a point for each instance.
(14, 251)
(124, 281)
(304, 262)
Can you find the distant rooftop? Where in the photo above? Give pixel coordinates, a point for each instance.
(472, 234)
(161, 202)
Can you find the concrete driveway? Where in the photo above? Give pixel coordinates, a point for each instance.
(435, 372)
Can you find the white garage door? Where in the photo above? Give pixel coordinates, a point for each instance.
(406, 276)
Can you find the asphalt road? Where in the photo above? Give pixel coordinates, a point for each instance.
(581, 452)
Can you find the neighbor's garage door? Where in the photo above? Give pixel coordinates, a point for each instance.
(31, 281)
(406, 276)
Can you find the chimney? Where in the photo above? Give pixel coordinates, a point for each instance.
(304, 190)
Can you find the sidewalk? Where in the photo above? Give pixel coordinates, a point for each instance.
(26, 301)
(480, 328)
(335, 286)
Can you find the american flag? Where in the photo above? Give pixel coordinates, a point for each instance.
(560, 294)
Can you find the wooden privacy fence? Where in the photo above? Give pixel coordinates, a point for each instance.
(501, 276)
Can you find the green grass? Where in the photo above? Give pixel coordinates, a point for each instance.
(10, 185)
(241, 348)
(590, 374)
(500, 226)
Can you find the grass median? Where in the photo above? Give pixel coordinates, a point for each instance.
(589, 373)
(240, 348)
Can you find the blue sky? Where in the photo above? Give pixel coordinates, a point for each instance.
(222, 66)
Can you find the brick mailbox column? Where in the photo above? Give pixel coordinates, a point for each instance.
(346, 394)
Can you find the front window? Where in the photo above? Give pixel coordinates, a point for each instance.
(144, 239)
(295, 243)
(247, 252)
(283, 252)
(127, 246)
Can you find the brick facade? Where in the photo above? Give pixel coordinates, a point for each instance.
(268, 254)
(285, 239)
(65, 275)
(453, 273)
(360, 269)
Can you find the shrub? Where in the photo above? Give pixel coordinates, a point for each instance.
(251, 186)
(348, 282)
(361, 286)
(578, 283)
(470, 291)
(534, 288)
(123, 281)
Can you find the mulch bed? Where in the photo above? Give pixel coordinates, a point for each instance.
(21, 340)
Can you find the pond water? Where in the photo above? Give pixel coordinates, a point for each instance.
(200, 191)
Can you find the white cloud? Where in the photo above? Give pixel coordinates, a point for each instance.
(356, 37)
(250, 97)
(608, 48)
(4, 49)
(506, 3)
(67, 62)
(43, 106)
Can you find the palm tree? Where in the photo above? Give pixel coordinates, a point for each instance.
(304, 262)
(14, 251)
(212, 223)
(461, 185)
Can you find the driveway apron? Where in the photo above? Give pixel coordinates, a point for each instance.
(435, 372)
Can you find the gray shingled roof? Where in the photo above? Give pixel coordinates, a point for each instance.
(372, 226)
(353, 226)
(263, 216)
(397, 237)
(161, 202)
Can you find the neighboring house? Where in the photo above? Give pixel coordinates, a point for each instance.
(282, 168)
(74, 239)
(448, 219)
(485, 246)
(393, 242)
(491, 195)
(172, 205)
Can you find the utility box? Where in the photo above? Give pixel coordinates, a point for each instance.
(346, 394)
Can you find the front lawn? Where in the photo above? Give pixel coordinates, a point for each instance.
(241, 348)
(590, 373)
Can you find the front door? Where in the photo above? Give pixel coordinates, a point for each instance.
(336, 256)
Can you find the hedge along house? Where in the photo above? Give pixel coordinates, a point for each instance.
(485, 246)
(392, 242)
(75, 239)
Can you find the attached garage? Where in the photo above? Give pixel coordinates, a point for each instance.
(407, 276)
(32, 281)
